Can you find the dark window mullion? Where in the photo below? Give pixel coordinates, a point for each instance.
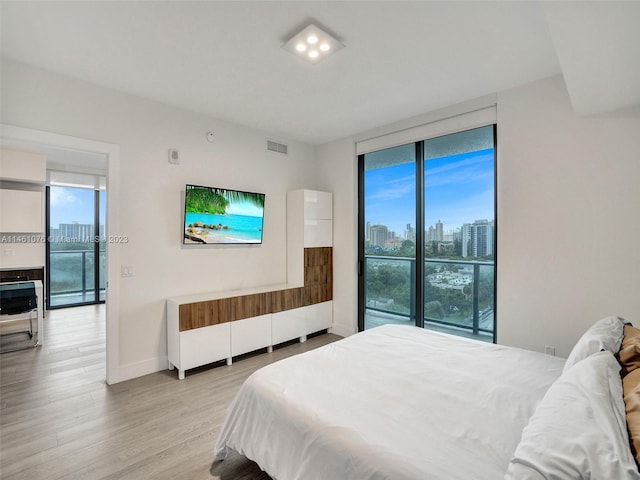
(47, 246)
(361, 237)
(419, 270)
(495, 233)
(96, 246)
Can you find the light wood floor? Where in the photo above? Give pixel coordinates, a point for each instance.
(59, 419)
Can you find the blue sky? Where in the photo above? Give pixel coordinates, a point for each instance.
(458, 189)
(70, 205)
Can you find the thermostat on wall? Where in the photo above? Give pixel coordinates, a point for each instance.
(174, 156)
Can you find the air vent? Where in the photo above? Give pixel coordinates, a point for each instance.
(277, 147)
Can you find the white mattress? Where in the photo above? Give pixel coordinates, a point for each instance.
(393, 402)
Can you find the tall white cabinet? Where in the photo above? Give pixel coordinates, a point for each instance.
(309, 225)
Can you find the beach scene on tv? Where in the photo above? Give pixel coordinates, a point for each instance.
(216, 215)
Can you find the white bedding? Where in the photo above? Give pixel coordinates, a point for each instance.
(393, 402)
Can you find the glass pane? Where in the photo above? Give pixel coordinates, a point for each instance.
(390, 250)
(71, 256)
(459, 218)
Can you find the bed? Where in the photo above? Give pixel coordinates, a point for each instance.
(404, 403)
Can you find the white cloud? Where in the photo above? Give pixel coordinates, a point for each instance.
(61, 197)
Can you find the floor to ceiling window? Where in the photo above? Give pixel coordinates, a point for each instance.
(76, 250)
(428, 234)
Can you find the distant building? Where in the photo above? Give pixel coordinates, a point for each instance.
(394, 243)
(439, 232)
(81, 232)
(410, 233)
(378, 235)
(478, 238)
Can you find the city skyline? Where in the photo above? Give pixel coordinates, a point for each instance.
(459, 189)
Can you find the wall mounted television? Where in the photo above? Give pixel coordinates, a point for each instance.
(221, 216)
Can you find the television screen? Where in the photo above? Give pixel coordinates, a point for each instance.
(216, 215)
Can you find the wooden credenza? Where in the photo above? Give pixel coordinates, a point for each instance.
(206, 328)
(210, 327)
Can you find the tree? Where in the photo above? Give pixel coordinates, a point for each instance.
(216, 200)
(434, 310)
(407, 249)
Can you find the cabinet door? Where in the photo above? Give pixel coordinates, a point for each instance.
(287, 325)
(201, 346)
(19, 166)
(250, 334)
(21, 211)
(318, 317)
(318, 205)
(318, 233)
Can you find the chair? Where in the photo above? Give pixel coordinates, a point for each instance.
(17, 299)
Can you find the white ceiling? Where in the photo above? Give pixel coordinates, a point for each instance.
(223, 59)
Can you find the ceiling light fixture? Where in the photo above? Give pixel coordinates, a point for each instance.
(312, 43)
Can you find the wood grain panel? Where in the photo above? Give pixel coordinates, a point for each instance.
(204, 314)
(317, 294)
(318, 287)
(22, 274)
(282, 300)
(318, 256)
(319, 275)
(247, 306)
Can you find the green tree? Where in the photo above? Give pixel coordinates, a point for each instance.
(407, 249)
(434, 310)
(216, 200)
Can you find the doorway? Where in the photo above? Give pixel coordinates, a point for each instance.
(38, 140)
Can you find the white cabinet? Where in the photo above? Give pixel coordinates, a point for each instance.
(250, 334)
(300, 322)
(21, 211)
(309, 224)
(26, 167)
(317, 205)
(317, 233)
(287, 325)
(21, 198)
(200, 346)
(318, 317)
(195, 347)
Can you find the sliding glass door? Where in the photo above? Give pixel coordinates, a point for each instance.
(76, 253)
(428, 234)
(389, 243)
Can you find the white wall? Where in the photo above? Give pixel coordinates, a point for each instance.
(338, 174)
(151, 193)
(568, 230)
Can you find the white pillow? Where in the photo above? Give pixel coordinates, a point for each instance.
(578, 430)
(605, 334)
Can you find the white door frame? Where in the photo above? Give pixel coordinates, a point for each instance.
(112, 153)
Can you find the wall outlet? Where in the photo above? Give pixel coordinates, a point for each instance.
(127, 271)
(549, 350)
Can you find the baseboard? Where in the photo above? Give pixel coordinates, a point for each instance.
(342, 330)
(139, 369)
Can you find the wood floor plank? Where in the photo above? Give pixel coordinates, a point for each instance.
(60, 420)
